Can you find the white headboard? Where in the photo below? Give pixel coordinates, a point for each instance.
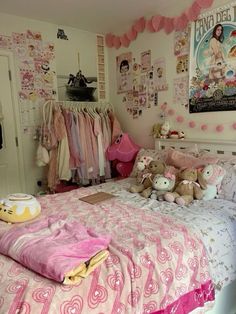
(220, 147)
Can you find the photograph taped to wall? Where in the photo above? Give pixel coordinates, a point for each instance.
(212, 79)
(145, 61)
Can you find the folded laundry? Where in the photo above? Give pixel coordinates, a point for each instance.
(56, 247)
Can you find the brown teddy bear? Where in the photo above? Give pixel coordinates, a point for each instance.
(145, 187)
(187, 188)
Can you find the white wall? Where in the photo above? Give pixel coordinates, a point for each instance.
(161, 45)
(66, 61)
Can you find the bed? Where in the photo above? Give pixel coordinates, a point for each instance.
(163, 258)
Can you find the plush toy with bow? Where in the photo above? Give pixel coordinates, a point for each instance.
(145, 187)
(187, 188)
(213, 176)
(162, 184)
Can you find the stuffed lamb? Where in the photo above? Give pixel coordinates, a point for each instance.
(212, 175)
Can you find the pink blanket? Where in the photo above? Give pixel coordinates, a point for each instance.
(52, 246)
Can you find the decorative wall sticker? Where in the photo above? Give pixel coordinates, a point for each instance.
(19, 38)
(159, 74)
(158, 22)
(182, 41)
(124, 72)
(5, 42)
(145, 61)
(61, 34)
(213, 63)
(182, 64)
(27, 79)
(180, 90)
(33, 35)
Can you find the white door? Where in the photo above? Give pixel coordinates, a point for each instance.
(9, 165)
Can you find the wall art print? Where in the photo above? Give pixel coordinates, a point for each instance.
(212, 79)
(124, 72)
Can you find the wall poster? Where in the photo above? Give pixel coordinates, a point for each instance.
(212, 72)
(124, 72)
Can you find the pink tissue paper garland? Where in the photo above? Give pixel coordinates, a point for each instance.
(158, 22)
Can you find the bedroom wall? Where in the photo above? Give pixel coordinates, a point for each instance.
(162, 45)
(65, 62)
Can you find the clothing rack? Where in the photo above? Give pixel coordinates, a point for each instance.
(78, 106)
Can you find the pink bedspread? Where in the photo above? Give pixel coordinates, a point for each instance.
(52, 246)
(156, 265)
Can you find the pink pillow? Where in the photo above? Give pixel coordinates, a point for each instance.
(182, 160)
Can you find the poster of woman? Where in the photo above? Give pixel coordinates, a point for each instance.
(124, 72)
(212, 71)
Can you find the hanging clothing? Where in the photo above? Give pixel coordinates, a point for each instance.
(83, 134)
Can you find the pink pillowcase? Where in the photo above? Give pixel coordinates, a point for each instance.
(182, 160)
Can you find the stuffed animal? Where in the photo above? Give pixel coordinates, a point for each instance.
(156, 130)
(19, 208)
(187, 188)
(162, 184)
(212, 175)
(142, 167)
(165, 128)
(145, 187)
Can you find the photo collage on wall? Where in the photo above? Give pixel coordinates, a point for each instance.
(140, 82)
(181, 52)
(34, 59)
(212, 78)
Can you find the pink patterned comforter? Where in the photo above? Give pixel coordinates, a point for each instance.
(156, 265)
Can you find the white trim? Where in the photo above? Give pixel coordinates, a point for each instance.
(16, 111)
(220, 147)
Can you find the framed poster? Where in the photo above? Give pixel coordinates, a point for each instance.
(212, 69)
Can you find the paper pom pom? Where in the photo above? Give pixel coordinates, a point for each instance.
(168, 24)
(180, 119)
(124, 41)
(180, 22)
(171, 112)
(204, 4)
(116, 42)
(234, 125)
(204, 127)
(139, 26)
(192, 124)
(131, 34)
(109, 40)
(149, 26)
(220, 128)
(157, 22)
(193, 12)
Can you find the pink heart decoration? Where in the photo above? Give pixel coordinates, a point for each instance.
(131, 34)
(139, 26)
(204, 4)
(116, 42)
(124, 40)
(193, 12)
(157, 22)
(168, 24)
(180, 22)
(149, 26)
(109, 40)
(74, 306)
(42, 295)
